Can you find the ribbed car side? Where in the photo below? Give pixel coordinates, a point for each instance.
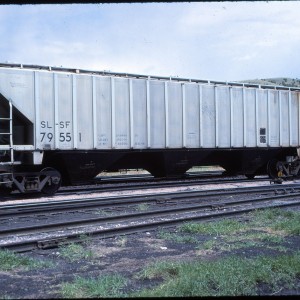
(62, 126)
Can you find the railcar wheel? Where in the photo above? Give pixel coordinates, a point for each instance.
(53, 183)
(273, 170)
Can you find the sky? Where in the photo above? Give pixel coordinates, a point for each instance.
(228, 41)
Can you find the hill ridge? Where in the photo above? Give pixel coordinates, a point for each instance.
(282, 81)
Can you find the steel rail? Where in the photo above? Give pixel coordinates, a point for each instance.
(21, 210)
(153, 213)
(141, 185)
(28, 245)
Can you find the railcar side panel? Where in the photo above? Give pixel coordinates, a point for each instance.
(284, 118)
(262, 118)
(208, 115)
(157, 115)
(63, 112)
(273, 124)
(45, 111)
(84, 116)
(175, 115)
(237, 118)
(294, 120)
(192, 116)
(250, 109)
(139, 114)
(120, 114)
(222, 102)
(80, 111)
(103, 112)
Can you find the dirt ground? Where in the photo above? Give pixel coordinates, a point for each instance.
(125, 255)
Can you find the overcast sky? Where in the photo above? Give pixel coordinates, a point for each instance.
(214, 41)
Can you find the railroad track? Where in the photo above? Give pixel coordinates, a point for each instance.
(141, 184)
(170, 210)
(25, 209)
(146, 183)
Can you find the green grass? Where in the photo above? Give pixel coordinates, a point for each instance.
(213, 228)
(230, 276)
(11, 261)
(278, 219)
(176, 237)
(164, 270)
(264, 228)
(105, 287)
(226, 277)
(275, 219)
(223, 245)
(85, 239)
(233, 276)
(73, 252)
(257, 237)
(209, 245)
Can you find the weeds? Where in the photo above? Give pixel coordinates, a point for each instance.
(75, 252)
(266, 228)
(278, 219)
(209, 245)
(85, 239)
(162, 269)
(213, 228)
(10, 261)
(104, 287)
(176, 237)
(121, 241)
(226, 277)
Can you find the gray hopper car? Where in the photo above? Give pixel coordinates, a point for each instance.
(66, 126)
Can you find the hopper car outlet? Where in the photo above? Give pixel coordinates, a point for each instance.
(65, 126)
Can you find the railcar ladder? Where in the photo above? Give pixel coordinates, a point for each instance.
(10, 146)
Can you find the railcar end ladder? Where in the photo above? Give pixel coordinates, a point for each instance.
(10, 146)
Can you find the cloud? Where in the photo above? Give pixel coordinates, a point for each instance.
(221, 41)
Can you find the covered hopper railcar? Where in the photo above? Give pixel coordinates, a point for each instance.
(66, 126)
